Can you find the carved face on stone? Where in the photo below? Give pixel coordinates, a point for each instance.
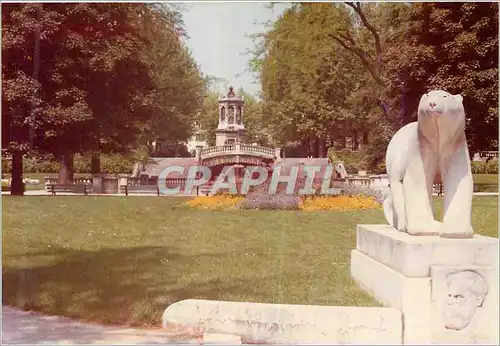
(441, 115)
(466, 292)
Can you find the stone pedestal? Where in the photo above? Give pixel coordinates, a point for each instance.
(257, 323)
(122, 181)
(97, 182)
(436, 283)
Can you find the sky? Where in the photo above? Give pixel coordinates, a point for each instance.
(217, 38)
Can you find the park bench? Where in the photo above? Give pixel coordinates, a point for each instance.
(438, 188)
(73, 188)
(140, 189)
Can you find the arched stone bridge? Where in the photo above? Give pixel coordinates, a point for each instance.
(243, 154)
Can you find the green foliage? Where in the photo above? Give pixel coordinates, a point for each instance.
(450, 46)
(95, 77)
(208, 117)
(354, 161)
(332, 71)
(110, 163)
(47, 164)
(6, 166)
(492, 167)
(483, 167)
(115, 164)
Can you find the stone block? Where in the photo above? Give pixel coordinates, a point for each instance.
(393, 289)
(413, 256)
(383, 283)
(288, 324)
(221, 339)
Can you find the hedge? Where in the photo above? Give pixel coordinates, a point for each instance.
(481, 167)
(112, 164)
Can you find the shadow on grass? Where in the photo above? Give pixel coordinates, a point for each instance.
(113, 286)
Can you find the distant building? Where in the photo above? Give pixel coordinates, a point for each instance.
(231, 128)
(196, 141)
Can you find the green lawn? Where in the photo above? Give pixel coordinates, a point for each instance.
(119, 260)
(486, 182)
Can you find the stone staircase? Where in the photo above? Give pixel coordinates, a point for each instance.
(205, 188)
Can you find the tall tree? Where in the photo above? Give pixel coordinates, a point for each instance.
(451, 46)
(92, 77)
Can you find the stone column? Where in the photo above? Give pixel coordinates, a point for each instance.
(277, 153)
(97, 183)
(198, 154)
(122, 180)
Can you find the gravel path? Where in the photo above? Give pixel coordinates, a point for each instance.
(45, 193)
(24, 327)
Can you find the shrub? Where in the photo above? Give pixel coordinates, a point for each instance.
(259, 198)
(81, 163)
(265, 201)
(354, 161)
(479, 167)
(6, 186)
(40, 164)
(114, 164)
(360, 190)
(492, 166)
(6, 166)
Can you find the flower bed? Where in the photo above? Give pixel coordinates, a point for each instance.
(221, 201)
(339, 203)
(285, 202)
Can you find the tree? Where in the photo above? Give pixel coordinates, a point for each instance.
(93, 77)
(254, 120)
(306, 81)
(453, 46)
(207, 117)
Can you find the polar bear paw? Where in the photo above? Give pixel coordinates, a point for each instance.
(448, 231)
(432, 228)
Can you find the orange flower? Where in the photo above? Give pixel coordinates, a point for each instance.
(222, 201)
(339, 203)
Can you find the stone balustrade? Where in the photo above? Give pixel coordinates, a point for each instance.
(75, 181)
(489, 154)
(237, 148)
(256, 149)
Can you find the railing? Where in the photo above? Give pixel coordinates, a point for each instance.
(256, 149)
(75, 181)
(489, 154)
(359, 181)
(218, 149)
(237, 149)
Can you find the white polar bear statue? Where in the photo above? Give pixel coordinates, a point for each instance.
(433, 146)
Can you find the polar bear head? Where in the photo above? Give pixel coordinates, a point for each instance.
(439, 102)
(441, 116)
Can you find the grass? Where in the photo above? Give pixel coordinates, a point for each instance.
(117, 260)
(486, 182)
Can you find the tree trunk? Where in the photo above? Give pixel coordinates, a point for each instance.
(365, 138)
(16, 184)
(95, 163)
(66, 170)
(321, 147)
(312, 145)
